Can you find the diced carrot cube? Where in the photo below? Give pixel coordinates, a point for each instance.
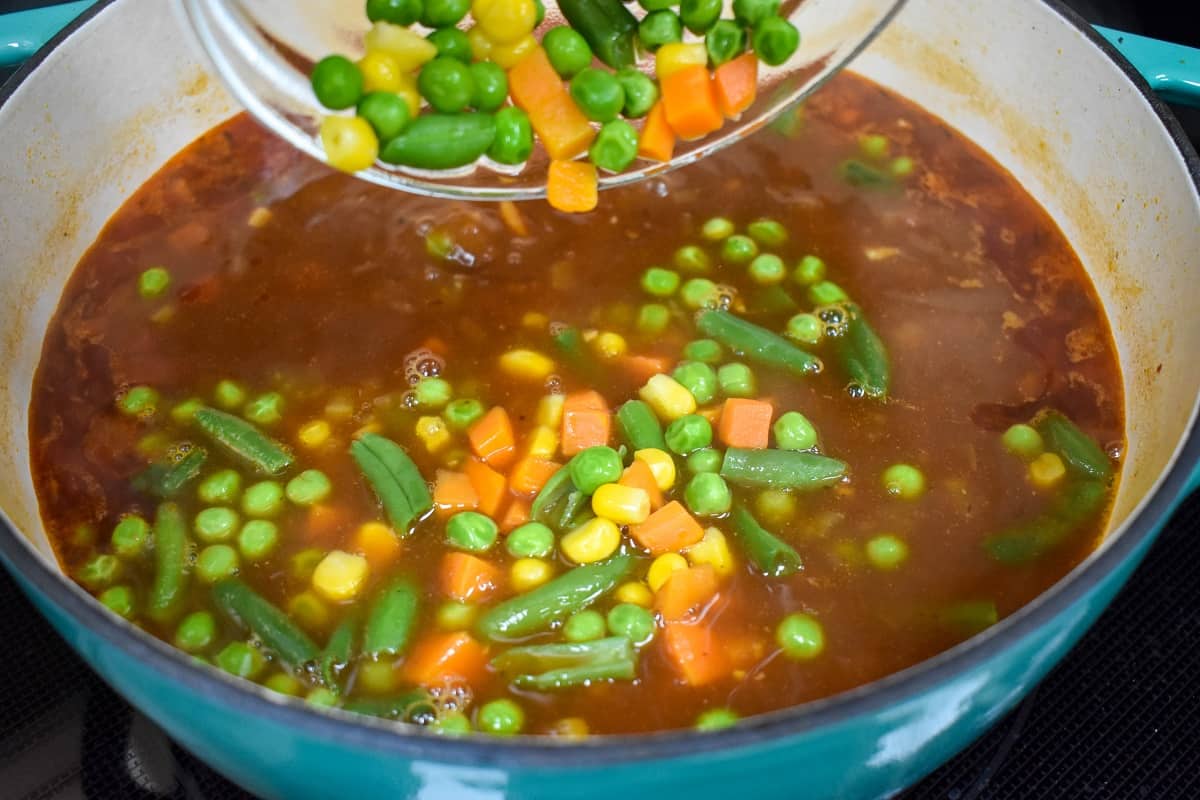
(586, 422)
(530, 475)
(516, 515)
(492, 439)
(691, 103)
(378, 543)
(466, 578)
(695, 653)
(745, 423)
(538, 90)
(640, 476)
(657, 141)
(453, 492)
(573, 186)
(669, 529)
(443, 658)
(686, 593)
(736, 84)
(489, 485)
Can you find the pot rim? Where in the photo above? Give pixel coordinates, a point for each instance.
(351, 730)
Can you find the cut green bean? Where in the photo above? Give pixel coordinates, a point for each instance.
(757, 343)
(639, 426)
(391, 619)
(555, 490)
(338, 652)
(171, 550)
(395, 478)
(607, 26)
(784, 469)
(861, 354)
(558, 666)
(1026, 541)
(273, 628)
(244, 440)
(1080, 452)
(770, 555)
(415, 706)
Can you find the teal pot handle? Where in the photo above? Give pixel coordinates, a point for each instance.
(23, 33)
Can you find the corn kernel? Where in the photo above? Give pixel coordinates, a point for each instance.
(310, 611)
(381, 72)
(535, 320)
(1047, 470)
(340, 575)
(634, 592)
(481, 45)
(594, 540)
(713, 550)
(569, 728)
(661, 465)
(409, 48)
(529, 573)
(662, 568)
(409, 94)
(624, 505)
(609, 345)
(505, 21)
(673, 57)
(669, 399)
(543, 443)
(432, 431)
(339, 408)
(509, 55)
(259, 217)
(527, 365)
(550, 410)
(314, 434)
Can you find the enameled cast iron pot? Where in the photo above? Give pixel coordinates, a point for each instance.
(124, 88)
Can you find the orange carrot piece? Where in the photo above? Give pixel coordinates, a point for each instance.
(691, 103)
(657, 141)
(435, 344)
(453, 492)
(489, 485)
(538, 90)
(465, 577)
(325, 524)
(736, 84)
(378, 543)
(588, 399)
(669, 529)
(513, 219)
(686, 593)
(695, 653)
(746, 423)
(441, 658)
(530, 475)
(640, 476)
(586, 422)
(573, 186)
(516, 515)
(643, 368)
(492, 438)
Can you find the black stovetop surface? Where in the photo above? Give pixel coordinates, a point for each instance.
(1119, 718)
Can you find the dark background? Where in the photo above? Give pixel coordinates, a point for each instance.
(1119, 718)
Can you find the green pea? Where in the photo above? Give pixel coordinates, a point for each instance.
(725, 41)
(810, 270)
(641, 92)
(120, 600)
(751, 12)
(775, 506)
(387, 113)
(793, 431)
(462, 413)
(337, 82)
(216, 562)
(904, 481)
(153, 282)
(491, 84)
(700, 293)
(687, 433)
(691, 258)
(598, 94)
(99, 571)
(303, 563)
(660, 27)
(660, 282)
(708, 495)
(241, 659)
(265, 410)
(444, 13)
(531, 540)
(615, 146)
(229, 395)
(739, 249)
(138, 401)
(775, 40)
(455, 616)
(216, 524)
(700, 15)
(716, 719)
(433, 392)
(567, 50)
(707, 351)
(130, 535)
(258, 539)
(902, 167)
(1024, 442)
(706, 459)
(826, 293)
(471, 531)
(736, 380)
(631, 621)
(513, 141)
(196, 632)
(222, 488)
(501, 717)
(539, 13)
(455, 723)
(447, 84)
(698, 378)
(263, 499)
(308, 488)
(593, 467)
(396, 12)
(874, 145)
(767, 232)
(653, 318)
(716, 229)
(805, 328)
(800, 636)
(767, 269)
(584, 626)
(183, 413)
(284, 683)
(887, 552)
(322, 697)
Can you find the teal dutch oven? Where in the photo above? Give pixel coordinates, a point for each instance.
(96, 111)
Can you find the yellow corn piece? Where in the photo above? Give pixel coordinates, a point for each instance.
(314, 434)
(675, 56)
(309, 610)
(634, 592)
(409, 93)
(543, 443)
(1047, 470)
(535, 320)
(339, 408)
(409, 48)
(713, 550)
(609, 345)
(505, 21)
(594, 540)
(432, 431)
(381, 72)
(509, 55)
(527, 365)
(259, 217)
(661, 465)
(662, 568)
(624, 505)
(529, 573)
(481, 45)
(669, 399)
(550, 410)
(340, 576)
(569, 728)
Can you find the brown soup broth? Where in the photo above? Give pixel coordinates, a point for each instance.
(987, 314)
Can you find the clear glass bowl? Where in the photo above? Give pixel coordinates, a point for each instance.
(263, 49)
